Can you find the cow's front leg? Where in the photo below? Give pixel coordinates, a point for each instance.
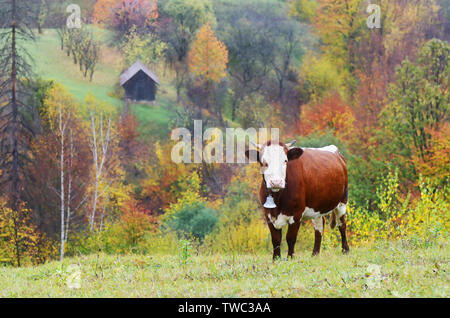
(318, 233)
(276, 240)
(291, 237)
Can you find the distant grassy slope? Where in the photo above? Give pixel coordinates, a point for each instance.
(404, 272)
(52, 63)
(154, 119)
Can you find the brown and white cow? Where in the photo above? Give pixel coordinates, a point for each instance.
(306, 183)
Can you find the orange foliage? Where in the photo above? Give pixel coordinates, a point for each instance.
(103, 11)
(136, 221)
(437, 162)
(163, 183)
(130, 147)
(115, 12)
(208, 57)
(331, 113)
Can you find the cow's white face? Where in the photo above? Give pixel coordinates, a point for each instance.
(274, 163)
(274, 158)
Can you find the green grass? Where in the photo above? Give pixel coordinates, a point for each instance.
(405, 272)
(154, 119)
(52, 63)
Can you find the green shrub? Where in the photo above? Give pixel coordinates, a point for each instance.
(195, 220)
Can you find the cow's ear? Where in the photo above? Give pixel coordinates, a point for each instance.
(294, 153)
(252, 155)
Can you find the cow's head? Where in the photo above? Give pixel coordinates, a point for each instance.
(273, 158)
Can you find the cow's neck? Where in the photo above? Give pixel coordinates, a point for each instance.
(277, 196)
(277, 199)
(283, 199)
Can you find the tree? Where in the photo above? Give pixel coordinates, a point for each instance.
(61, 110)
(338, 23)
(437, 166)
(332, 113)
(17, 233)
(420, 97)
(43, 10)
(124, 14)
(208, 60)
(90, 56)
(287, 39)
(208, 57)
(59, 174)
(303, 10)
(16, 129)
(260, 42)
(102, 11)
(102, 142)
(186, 17)
(146, 48)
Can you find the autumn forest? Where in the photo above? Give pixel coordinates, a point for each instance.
(84, 170)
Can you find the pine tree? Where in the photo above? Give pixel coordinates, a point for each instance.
(16, 18)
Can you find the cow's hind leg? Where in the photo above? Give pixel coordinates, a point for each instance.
(342, 224)
(318, 233)
(291, 237)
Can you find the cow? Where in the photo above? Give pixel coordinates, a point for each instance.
(305, 183)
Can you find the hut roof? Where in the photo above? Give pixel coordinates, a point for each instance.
(133, 70)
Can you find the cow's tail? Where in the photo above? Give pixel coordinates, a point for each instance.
(333, 214)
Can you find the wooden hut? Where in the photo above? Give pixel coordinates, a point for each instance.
(139, 83)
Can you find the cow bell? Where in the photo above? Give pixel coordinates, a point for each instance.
(270, 204)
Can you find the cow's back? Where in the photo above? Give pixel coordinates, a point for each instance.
(325, 178)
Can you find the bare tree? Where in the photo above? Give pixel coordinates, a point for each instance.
(100, 147)
(89, 55)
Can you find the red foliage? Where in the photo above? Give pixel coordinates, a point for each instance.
(331, 113)
(129, 146)
(122, 14)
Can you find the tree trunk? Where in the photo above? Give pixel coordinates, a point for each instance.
(62, 194)
(69, 190)
(15, 117)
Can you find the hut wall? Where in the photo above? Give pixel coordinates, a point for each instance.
(140, 87)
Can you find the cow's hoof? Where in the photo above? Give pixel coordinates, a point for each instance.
(315, 253)
(345, 251)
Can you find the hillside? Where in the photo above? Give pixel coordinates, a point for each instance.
(50, 62)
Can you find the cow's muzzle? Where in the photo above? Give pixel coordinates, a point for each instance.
(276, 185)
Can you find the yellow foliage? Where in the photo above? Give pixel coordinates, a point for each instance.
(319, 76)
(188, 197)
(208, 57)
(423, 221)
(243, 238)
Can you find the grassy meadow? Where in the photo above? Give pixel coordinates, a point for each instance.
(381, 270)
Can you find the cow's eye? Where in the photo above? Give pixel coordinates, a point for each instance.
(265, 164)
(285, 161)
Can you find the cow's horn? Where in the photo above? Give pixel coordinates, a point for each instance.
(257, 146)
(290, 144)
